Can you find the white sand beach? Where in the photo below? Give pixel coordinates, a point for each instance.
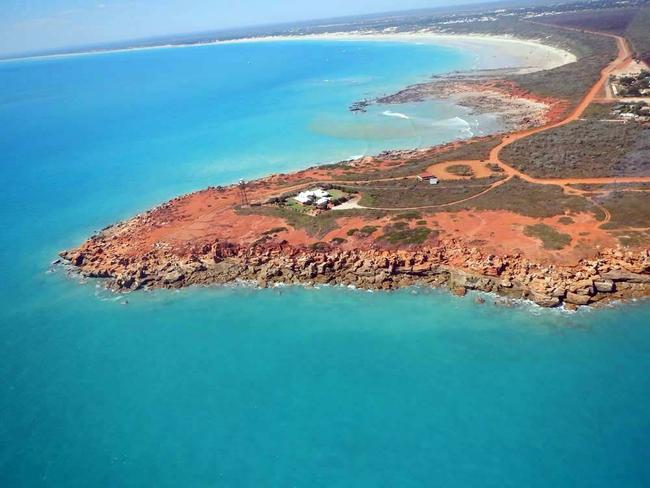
(490, 51)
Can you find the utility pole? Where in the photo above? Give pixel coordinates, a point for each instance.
(242, 192)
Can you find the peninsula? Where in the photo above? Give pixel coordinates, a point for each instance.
(555, 210)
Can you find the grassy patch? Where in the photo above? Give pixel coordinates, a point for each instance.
(584, 148)
(460, 170)
(364, 231)
(368, 229)
(396, 226)
(274, 230)
(615, 21)
(628, 209)
(412, 215)
(315, 226)
(419, 195)
(320, 246)
(634, 239)
(638, 32)
(599, 111)
(405, 235)
(566, 220)
(550, 237)
(529, 199)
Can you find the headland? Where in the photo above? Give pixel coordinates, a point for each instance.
(554, 211)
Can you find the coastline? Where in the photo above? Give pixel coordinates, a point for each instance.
(609, 277)
(546, 57)
(214, 237)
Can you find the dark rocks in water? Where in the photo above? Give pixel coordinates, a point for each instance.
(459, 291)
(360, 106)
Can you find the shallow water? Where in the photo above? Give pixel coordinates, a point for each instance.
(288, 386)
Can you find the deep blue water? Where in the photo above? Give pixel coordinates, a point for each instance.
(282, 387)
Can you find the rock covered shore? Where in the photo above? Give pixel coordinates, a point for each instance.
(612, 275)
(517, 109)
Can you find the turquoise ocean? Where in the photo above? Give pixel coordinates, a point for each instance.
(234, 386)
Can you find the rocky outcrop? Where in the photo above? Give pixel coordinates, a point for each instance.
(612, 275)
(482, 94)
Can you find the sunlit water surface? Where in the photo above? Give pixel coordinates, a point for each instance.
(282, 387)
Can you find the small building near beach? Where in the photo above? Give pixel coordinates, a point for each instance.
(433, 180)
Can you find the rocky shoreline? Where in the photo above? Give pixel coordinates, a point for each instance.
(203, 239)
(482, 94)
(612, 275)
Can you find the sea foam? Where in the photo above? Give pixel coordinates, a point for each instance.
(398, 115)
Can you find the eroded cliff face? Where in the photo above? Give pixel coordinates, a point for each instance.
(612, 275)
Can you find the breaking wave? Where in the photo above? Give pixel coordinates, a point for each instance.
(463, 125)
(388, 113)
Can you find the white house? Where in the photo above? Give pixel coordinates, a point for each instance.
(316, 196)
(322, 201)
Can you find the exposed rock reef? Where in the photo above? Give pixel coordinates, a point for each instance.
(612, 275)
(515, 108)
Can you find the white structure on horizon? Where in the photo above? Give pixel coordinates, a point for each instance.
(316, 196)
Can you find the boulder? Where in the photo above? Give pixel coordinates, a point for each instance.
(576, 299)
(606, 286)
(459, 291)
(623, 275)
(543, 300)
(172, 277)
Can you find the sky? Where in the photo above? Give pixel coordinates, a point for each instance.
(29, 25)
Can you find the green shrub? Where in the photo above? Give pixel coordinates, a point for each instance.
(550, 237)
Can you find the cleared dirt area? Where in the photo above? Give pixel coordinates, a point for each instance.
(453, 170)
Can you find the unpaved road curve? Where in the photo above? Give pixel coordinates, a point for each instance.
(623, 57)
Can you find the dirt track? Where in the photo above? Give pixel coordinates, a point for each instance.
(623, 58)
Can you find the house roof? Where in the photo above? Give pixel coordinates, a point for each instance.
(309, 196)
(322, 200)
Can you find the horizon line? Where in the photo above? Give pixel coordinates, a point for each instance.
(191, 38)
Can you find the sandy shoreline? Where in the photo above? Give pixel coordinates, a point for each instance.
(532, 54)
(537, 55)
